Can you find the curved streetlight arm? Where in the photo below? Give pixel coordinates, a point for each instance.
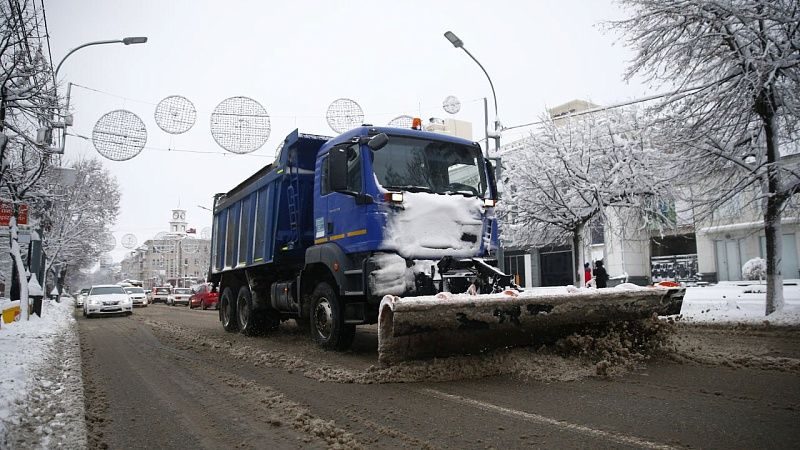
(494, 95)
(114, 41)
(126, 41)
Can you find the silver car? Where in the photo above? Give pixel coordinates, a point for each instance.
(137, 295)
(107, 299)
(80, 299)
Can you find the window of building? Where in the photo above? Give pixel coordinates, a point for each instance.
(597, 229)
(789, 263)
(515, 266)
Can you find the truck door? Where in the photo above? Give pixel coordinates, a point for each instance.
(346, 208)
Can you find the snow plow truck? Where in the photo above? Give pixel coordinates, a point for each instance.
(390, 226)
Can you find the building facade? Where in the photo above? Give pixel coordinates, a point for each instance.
(176, 257)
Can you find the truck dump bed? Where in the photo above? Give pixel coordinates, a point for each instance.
(268, 217)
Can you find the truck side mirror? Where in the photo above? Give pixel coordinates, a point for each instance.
(337, 169)
(490, 172)
(378, 141)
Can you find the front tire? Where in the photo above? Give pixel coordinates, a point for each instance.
(227, 310)
(327, 325)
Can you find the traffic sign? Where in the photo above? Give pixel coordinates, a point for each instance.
(7, 210)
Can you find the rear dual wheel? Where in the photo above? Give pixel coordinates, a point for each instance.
(250, 320)
(227, 310)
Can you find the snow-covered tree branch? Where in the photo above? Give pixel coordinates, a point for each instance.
(735, 66)
(77, 220)
(28, 102)
(572, 170)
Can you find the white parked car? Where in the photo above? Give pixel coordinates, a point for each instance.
(137, 295)
(160, 294)
(180, 296)
(107, 299)
(80, 299)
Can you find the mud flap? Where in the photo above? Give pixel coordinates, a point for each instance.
(447, 324)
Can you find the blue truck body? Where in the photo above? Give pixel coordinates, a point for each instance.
(284, 234)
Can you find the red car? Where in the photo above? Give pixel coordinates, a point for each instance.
(203, 297)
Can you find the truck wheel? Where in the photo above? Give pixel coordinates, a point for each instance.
(246, 318)
(327, 325)
(227, 310)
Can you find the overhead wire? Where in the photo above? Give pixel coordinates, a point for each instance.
(182, 150)
(47, 36)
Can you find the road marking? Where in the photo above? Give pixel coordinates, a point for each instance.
(611, 436)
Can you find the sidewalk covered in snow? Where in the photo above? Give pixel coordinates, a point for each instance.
(41, 399)
(740, 302)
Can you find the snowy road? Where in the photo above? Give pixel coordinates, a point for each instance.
(172, 378)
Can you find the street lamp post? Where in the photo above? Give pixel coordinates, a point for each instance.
(67, 119)
(458, 43)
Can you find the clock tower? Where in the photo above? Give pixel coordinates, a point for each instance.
(178, 223)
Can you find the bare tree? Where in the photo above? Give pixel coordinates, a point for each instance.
(27, 103)
(574, 170)
(735, 66)
(76, 220)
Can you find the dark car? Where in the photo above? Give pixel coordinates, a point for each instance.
(203, 297)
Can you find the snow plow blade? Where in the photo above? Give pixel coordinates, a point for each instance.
(447, 324)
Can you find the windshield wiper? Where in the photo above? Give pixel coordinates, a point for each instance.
(464, 193)
(411, 188)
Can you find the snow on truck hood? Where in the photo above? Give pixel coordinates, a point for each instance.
(435, 225)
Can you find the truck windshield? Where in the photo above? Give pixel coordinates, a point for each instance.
(421, 165)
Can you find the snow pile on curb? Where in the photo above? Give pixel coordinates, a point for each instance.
(740, 302)
(41, 401)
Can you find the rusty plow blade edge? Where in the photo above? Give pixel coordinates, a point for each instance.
(446, 324)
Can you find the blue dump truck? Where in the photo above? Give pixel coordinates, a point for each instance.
(394, 220)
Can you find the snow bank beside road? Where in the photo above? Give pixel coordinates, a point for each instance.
(739, 302)
(41, 400)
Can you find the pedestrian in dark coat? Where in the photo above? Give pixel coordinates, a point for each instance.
(600, 274)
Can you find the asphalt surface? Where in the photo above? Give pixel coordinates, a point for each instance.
(170, 377)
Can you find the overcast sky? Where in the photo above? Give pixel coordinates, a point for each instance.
(296, 57)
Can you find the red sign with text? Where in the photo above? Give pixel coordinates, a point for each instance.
(7, 210)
